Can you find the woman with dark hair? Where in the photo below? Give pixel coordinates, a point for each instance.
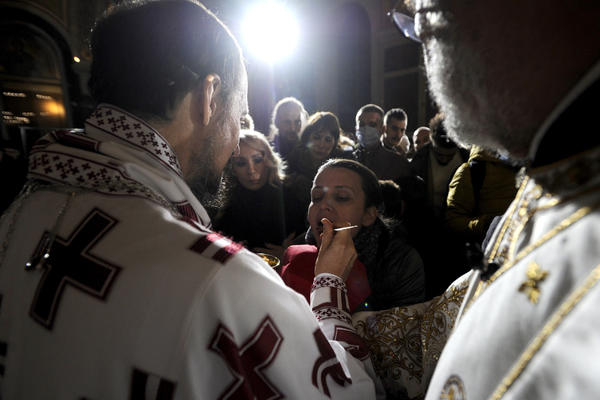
(254, 211)
(348, 194)
(319, 141)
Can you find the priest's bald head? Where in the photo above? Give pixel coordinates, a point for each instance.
(177, 66)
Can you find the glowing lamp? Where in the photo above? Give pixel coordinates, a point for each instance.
(270, 32)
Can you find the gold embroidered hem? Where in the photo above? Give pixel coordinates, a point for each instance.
(406, 342)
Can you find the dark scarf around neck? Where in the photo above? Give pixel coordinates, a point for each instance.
(368, 242)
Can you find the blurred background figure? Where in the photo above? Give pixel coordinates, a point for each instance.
(254, 210)
(247, 122)
(436, 163)
(288, 119)
(394, 208)
(421, 137)
(480, 190)
(380, 142)
(404, 145)
(369, 126)
(392, 199)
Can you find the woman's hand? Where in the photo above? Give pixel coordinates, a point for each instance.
(337, 253)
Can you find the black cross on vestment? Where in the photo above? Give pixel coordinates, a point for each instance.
(70, 262)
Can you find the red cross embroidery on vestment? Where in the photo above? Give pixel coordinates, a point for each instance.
(351, 342)
(248, 361)
(327, 364)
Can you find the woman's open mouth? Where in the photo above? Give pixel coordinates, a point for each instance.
(319, 228)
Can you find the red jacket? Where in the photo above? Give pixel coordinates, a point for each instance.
(299, 270)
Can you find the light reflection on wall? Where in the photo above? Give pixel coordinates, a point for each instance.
(32, 108)
(15, 120)
(14, 94)
(54, 108)
(32, 82)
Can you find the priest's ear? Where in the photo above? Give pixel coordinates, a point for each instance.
(205, 98)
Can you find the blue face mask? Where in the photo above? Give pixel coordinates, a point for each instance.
(368, 137)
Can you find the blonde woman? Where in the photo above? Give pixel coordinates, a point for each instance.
(254, 211)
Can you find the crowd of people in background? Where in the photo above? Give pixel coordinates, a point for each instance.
(440, 199)
(436, 200)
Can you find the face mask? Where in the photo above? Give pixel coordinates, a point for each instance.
(368, 137)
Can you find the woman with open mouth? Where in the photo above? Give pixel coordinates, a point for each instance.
(319, 141)
(388, 272)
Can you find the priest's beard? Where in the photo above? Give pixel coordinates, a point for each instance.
(205, 180)
(478, 109)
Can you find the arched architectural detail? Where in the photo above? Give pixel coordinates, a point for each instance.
(36, 79)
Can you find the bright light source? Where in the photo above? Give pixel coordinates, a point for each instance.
(76, 59)
(270, 31)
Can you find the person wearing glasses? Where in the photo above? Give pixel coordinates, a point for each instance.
(515, 77)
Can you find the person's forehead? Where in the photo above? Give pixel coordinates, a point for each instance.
(397, 122)
(338, 178)
(247, 150)
(370, 116)
(321, 133)
(289, 112)
(421, 134)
